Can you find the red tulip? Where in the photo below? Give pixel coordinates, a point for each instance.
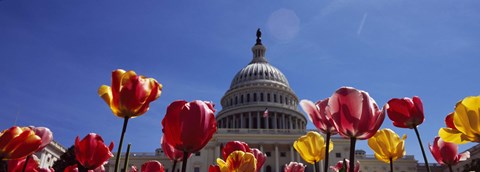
(260, 156)
(18, 164)
(152, 166)
(355, 113)
(172, 153)
(16, 143)
(449, 121)
(45, 134)
(406, 112)
(446, 153)
(234, 146)
(74, 168)
(340, 165)
(294, 167)
(188, 126)
(92, 152)
(130, 94)
(214, 168)
(319, 115)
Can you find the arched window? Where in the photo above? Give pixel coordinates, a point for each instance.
(281, 99)
(254, 97)
(241, 99)
(236, 100)
(268, 97)
(261, 97)
(269, 169)
(248, 98)
(275, 98)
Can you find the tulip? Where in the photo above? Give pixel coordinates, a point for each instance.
(446, 153)
(189, 126)
(128, 97)
(74, 168)
(407, 113)
(17, 143)
(294, 167)
(387, 146)
(238, 161)
(466, 122)
(234, 146)
(173, 154)
(18, 165)
(92, 152)
(152, 166)
(134, 169)
(260, 157)
(311, 148)
(320, 117)
(345, 166)
(214, 168)
(355, 115)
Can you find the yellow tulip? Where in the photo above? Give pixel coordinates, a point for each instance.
(312, 147)
(130, 94)
(387, 145)
(238, 161)
(466, 120)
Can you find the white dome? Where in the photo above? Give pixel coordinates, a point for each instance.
(258, 72)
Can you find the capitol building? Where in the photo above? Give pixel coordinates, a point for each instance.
(261, 109)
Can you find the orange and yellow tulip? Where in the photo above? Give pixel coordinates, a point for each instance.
(238, 161)
(463, 125)
(311, 147)
(387, 145)
(130, 94)
(18, 142)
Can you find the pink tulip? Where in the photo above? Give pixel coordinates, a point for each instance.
(294, 167)
(446, 153)
(45, 134)
(172, 153)
(355, 113)
(214, 168)
(152, 166)
(340, 165)
(260, 156)
(234, 146)
(319, 115)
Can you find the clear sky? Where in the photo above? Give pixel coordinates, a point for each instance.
(55, 55)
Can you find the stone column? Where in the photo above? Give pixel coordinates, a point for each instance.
(291, 122)
(217, 152)
(266, 121)
(250, 120)
(291, 154)
(258, 120)
(276, 158)
(275, 121)
(263, 167)
(241, 121)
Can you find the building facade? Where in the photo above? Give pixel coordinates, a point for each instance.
(261, 109)
(50, 154)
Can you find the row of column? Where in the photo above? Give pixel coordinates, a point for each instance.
(277, 120)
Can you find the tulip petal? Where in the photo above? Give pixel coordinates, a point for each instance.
(454, 136)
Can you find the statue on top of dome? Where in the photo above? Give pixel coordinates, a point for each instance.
(259, 37)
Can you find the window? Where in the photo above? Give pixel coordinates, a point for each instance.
(248, 98)
(261, 97)
(236, 99)
(241, 99)
(338, 155)
(268, 154)
(197, 153)
(283, 154)
(281, 99)
(275, 98)
(254, 97)
(196, 169)
(268, 97)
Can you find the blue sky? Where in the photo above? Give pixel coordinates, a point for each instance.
(55, 55)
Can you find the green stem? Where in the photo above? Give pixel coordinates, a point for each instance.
(450, 168)
(353, 140)
(421, 146)
(325, 166)
(315, 165)
(174, 165)
(26, 162)
(3, 165)
(184, 163)
(391, 165)
(119, 152)
(126, 157)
